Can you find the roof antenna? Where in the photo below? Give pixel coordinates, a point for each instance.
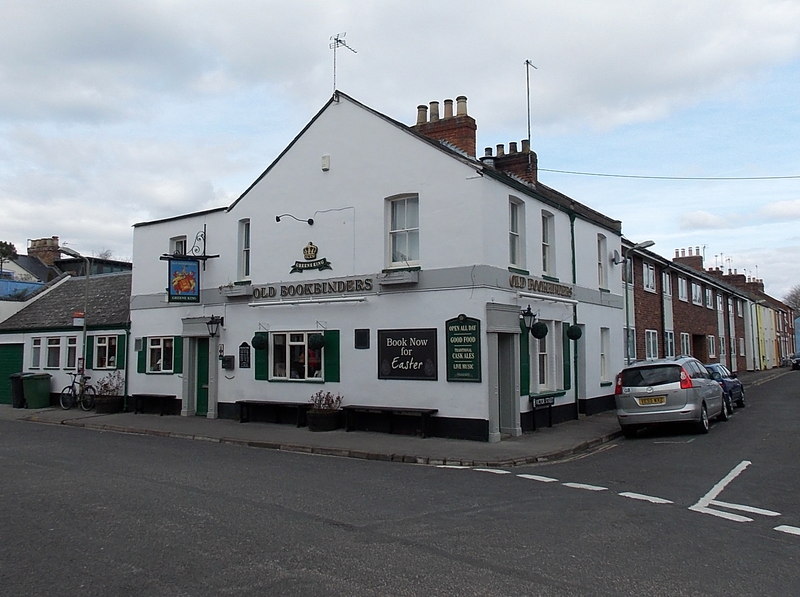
(528, 65)
(338, 40)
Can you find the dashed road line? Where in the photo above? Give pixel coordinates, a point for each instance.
(496, 471)
(538, 478)
(585, 486)
(645, 498)
(785, 528)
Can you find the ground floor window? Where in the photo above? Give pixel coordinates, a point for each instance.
(36, 353)
(651, 344)
(547, 359)
(105, 352)
(160, 355)
(72, 352)
(605, 343)
(296, 355)
(686, 344)
(53, 352)
(712, 346)
(669, 344)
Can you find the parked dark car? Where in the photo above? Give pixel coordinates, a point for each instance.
(794, 360)
(732, 388)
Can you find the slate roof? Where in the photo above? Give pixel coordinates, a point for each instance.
(108, 304)
(35, 267)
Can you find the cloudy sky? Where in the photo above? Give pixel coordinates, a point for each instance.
(679, 118)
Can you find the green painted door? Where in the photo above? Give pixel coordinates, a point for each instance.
(202, 377)
(10, 362)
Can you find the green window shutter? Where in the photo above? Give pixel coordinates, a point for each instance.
(141, 358)
(524, 361)
(121, 351)
(565, 345)
(331, 355)
(89, 352)
(261, 357)
(177, 354)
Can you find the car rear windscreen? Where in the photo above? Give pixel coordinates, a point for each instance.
(651, 376)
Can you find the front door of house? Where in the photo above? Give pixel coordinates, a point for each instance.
(202, 377)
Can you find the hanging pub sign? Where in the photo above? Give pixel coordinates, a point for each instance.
(311, 261)
(184, 281)
(407, 354)
(463, 336)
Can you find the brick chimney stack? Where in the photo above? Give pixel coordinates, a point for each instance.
(458, 130)
(694, 261)
(522, 164)
(44, 249)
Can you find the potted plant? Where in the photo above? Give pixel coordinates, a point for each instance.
(325, 413)
(110, 393)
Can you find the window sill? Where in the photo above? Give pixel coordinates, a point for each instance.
(550, 278)
(517, 270)
(554, 394)
(312, 380)
(604, 290)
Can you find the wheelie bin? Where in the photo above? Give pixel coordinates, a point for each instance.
(36, 388)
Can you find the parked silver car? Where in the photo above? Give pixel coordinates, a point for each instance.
(667, 391)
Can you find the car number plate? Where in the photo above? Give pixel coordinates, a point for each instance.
(652, 400)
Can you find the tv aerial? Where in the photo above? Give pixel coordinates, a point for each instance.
(336, 41)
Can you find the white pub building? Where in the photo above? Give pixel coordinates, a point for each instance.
(388, 264)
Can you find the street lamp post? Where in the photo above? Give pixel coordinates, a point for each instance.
(628, 288)
(73, 253)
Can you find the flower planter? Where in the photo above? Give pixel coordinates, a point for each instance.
(109, 404)
(324, 420)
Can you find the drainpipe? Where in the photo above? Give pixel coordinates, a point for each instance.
(574, 309)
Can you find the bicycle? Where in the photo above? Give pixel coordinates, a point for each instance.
(78, 391)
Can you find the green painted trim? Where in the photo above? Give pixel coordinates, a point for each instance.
(261, 359)
(516, 270)
(550, 278)
(71, 328)
(90, 352)
(524, 361)
(141, 358)
(177, 354)
(605, 384)
(122, 345)
(331, 355)
(565, 354)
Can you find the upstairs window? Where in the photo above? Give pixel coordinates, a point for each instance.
(602, 253)
(177, 245)
(403, 231)
(548, 244)
(709, 298)
(649, 277)
(666, 283)
(516, 233)
(697, 294)
(683, 291)
(244, 249)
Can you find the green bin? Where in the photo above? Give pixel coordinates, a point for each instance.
(36, 388)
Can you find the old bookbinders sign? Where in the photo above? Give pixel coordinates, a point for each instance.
(463, 336)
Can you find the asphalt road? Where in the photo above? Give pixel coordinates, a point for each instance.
(98, 513)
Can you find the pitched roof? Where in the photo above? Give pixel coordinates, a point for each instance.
(35, 267)
(108, 304)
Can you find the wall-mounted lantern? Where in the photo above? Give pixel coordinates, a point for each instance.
(213, 325)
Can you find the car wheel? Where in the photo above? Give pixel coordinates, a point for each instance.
(727, 407)
(740, 401)
(703, 424)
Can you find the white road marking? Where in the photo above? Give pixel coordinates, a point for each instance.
(750, 509)
(496, 471)
(452, 466)
(585, 486)
(708, 499)
(645, 498)
(538, 478)
(785, 528)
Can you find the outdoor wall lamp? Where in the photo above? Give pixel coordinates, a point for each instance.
(213, 325)
(309, 221)
(537, 329)
(528, 318)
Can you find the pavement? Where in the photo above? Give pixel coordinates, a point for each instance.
(545, 444)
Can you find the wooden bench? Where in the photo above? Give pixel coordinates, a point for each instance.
(424, 415)
(300, 409)
(166, 402)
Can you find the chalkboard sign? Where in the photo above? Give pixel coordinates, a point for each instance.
(407, 354)
(463, 336)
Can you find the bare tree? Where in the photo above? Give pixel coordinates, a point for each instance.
(104, 254)
(8, 252)
(793, 298)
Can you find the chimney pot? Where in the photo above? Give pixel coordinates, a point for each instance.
(526, 146)
(501, 150)
(461, 105)
(422, 114)
(683, 252)
(677, 253)
(434, 111)
(448, 108)
(487, 152)
(512, 147)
